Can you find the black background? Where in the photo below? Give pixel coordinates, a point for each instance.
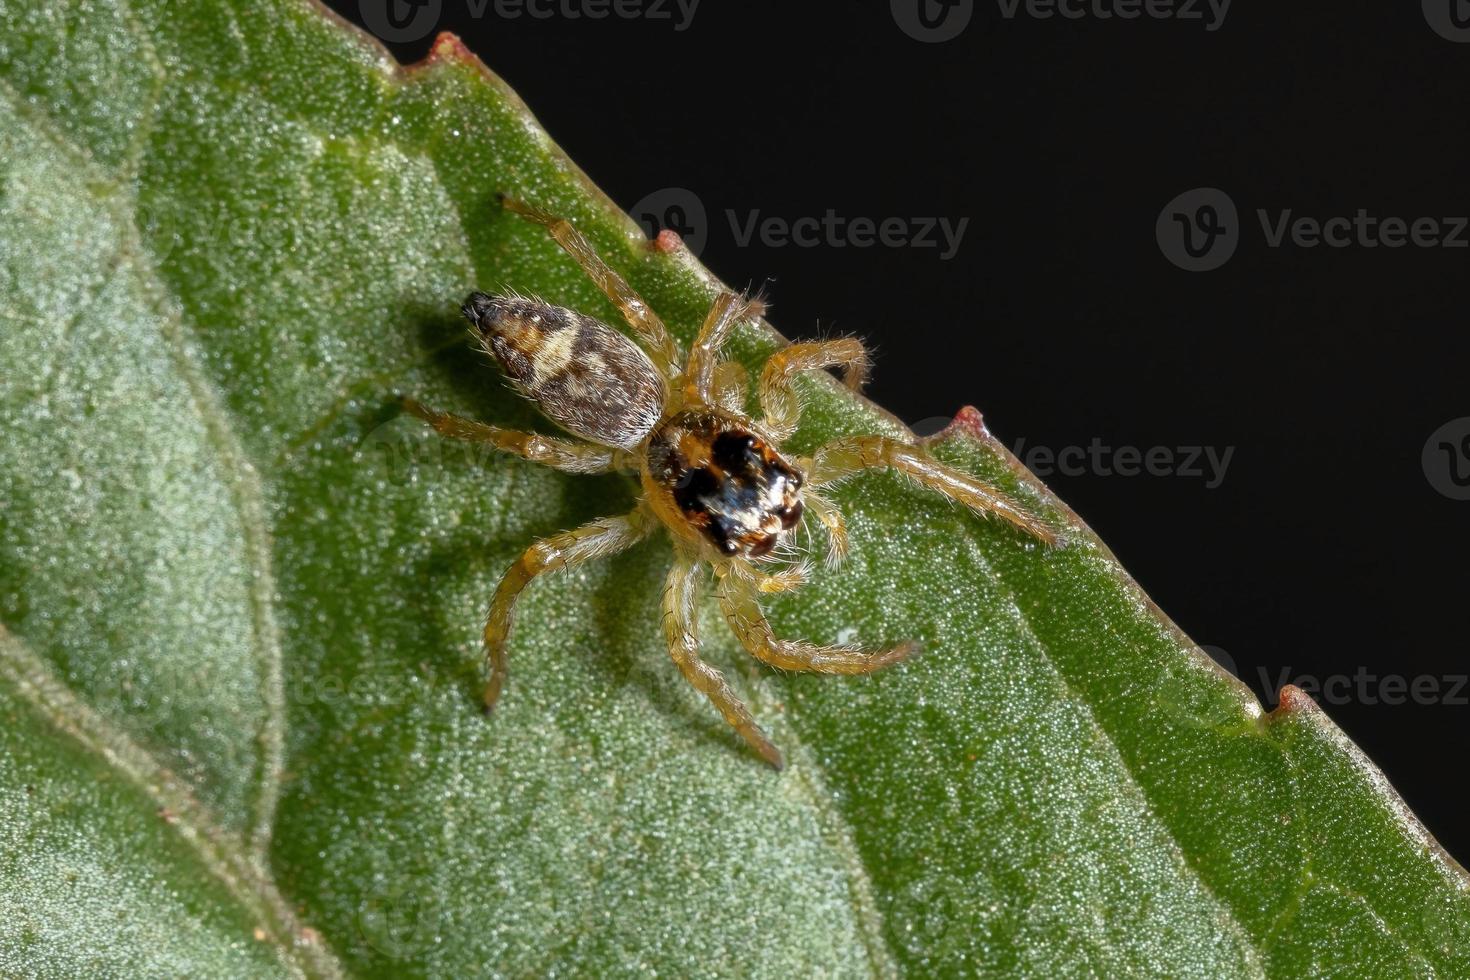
(1325, 549)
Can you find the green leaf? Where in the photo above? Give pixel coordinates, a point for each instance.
(241, 599)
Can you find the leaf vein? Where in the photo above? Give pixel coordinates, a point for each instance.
(221, 852)
(244, 482)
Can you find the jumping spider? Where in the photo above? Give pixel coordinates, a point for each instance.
(712, 476)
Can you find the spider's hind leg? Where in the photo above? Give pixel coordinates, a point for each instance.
(567, 455)
(646, 324)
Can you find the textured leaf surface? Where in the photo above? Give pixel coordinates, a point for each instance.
(240, 604)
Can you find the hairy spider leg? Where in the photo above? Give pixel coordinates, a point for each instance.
(778, 398)
(831, 518)
(843, 458)
(739, 603)
(727, 310)
(731, 384)
(681, 629)
(646, 324)
(598, 539)
(567, 455)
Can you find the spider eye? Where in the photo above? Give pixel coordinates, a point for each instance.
(737, 452)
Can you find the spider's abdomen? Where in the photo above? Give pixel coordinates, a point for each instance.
(726, 483)
(586, 377)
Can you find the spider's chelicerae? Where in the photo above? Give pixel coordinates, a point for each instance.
(711, 475)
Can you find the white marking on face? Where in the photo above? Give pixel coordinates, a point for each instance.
(775, 496)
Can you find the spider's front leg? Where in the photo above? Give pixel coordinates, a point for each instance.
(701, 368)
(599, 539)
(681, 629)
(739, 603)
(778, 398)
(569, 456)
(845, 457)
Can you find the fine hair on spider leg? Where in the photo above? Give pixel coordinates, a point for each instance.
(834, 526)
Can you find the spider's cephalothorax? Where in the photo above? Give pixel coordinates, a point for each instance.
(724, 481)
(711, 475)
